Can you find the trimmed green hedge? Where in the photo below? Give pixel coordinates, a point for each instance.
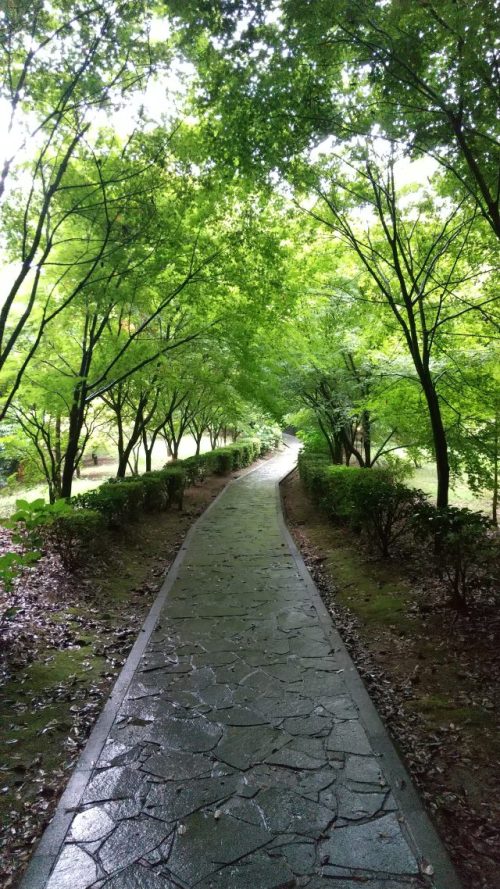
(119, 502)
(372, 501)
(72, 534)
(72, 528)
(366, 499)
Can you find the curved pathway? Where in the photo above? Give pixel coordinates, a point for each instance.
(239, 747)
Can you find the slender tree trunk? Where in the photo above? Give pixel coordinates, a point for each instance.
(367, 441)
(439, 441)
(70, 457)
(148, 452)
(494, 503)
(58, 457)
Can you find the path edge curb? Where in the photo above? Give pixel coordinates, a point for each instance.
(420, 827)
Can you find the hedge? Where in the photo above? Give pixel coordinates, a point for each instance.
(119, 502)
(72, 527)
(461, 543)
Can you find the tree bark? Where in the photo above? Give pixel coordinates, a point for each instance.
(439, 440)
(74, 432)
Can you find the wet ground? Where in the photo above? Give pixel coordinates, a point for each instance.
(239, 748)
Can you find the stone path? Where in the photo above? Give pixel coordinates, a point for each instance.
(237, 755)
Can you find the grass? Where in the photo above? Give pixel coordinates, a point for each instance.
(92, 476)
(460, 493)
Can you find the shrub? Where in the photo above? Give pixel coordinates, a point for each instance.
(366, 499)
(175, 478)
(383, 508)
(119, 502)
(223, 460)
(72, 534)
(462, 544)
(195, 469)
(155, 492)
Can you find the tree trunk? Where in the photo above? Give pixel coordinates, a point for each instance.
(439, 441)
(148, 453)
(70, 457)
(367, 441)
(494, 502)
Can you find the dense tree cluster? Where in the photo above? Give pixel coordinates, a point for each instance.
(307, 227)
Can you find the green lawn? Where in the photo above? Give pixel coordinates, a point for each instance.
(460, 493)
(92, 476)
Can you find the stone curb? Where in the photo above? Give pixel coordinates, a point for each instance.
(419, 826)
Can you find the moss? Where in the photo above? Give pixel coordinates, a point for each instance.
(439, 709)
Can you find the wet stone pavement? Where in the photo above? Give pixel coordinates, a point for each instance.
(238, 757)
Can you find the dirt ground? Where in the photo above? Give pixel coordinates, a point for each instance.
(63, 639)
(434, 676)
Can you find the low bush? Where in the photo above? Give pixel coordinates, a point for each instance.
(461, 543)
(155, 492)
(195, 469)
(73, 534)
(72, 527)
(368, 500)
(236, 456)
(119, 502)
(175, 477)
(163, 487)
(463, 547)
(223, 460)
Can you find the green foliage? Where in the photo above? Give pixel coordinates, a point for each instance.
(163, 487)
(197, 468)
(118, 502)
(28, 524)
(224, 460)
(463, 547)
(73, 535)
(367, 499)
(239, 454)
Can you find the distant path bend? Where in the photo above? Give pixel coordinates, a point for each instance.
(239, 747)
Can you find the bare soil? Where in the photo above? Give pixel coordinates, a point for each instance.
(434, 676)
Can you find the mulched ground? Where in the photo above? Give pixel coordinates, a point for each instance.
(63, 640)
(433, 675)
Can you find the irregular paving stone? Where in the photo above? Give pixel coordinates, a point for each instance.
(218, 696)
(130, 841)
(173, 764)
(208, 843)
(341, 706)
(287, 812)
(353, 805)
(310, 725)
(240, 716)
(176, 800)
(241, 746)
(254, 872)
(364, 769)
(138, 877)
(378, 845)
(295, 759)
(238, 758)
(125, 808)
(197, 735)
(282, 706)
(362, 883)
(301, 857)
(244, 809)
(117, 782)
(350, 737)
(93, 824)
(74, 870)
